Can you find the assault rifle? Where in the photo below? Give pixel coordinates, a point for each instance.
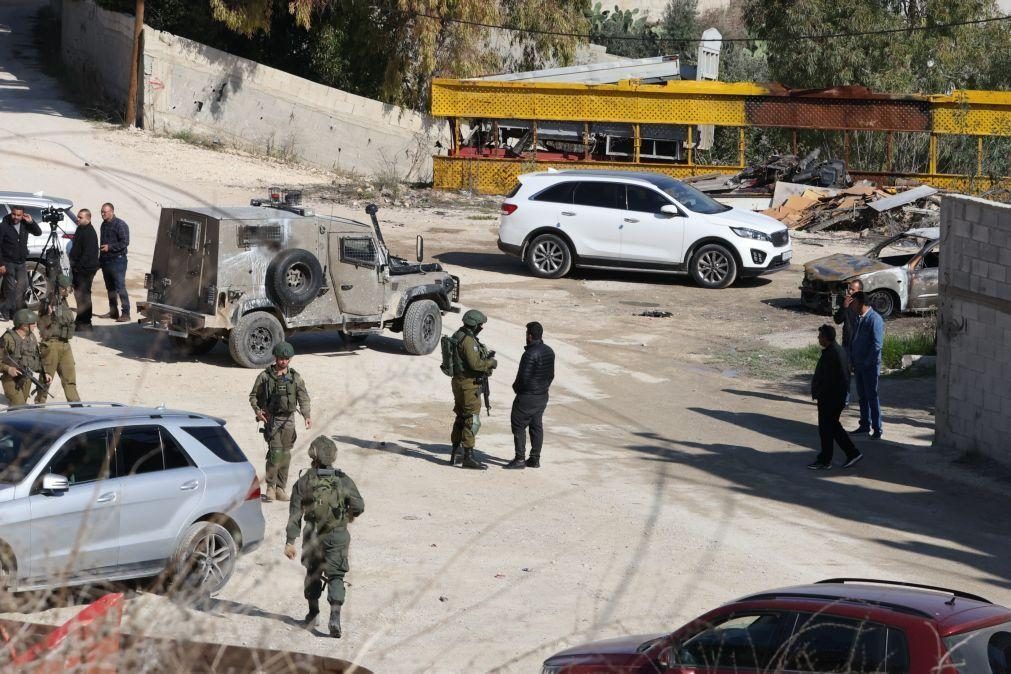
(24, 372)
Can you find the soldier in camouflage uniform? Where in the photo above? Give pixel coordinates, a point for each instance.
(56, 328)
(328, 500)
(473, 363)
(277, 394)
(20, 346)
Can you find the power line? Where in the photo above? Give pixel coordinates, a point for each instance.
(784, 38)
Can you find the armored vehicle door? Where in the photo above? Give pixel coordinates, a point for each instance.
(181, 259)
(356, 271)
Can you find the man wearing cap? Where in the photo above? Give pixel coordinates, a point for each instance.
(21, 358)
(277, 394)
(473, 364)
(56, 328)
(328, 500)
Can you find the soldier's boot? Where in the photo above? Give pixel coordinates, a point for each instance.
(335, 620)
(470, 462)
(518, 462)
(270, 494)
(454, 456)
(280, 494)
(312, 616)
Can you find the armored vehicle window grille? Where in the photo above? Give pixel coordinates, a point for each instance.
(259, 235)
(358, 251)
(186, 234)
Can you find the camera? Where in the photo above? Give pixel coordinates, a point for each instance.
(52, 215)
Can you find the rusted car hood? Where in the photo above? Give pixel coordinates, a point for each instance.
(841, 266)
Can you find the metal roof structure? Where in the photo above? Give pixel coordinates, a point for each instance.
(654, 69)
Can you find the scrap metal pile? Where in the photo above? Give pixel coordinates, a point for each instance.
(862, 206)
(809, 170)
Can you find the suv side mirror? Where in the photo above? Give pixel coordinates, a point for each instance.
(670, 209)
(54, 484)
(419, 248)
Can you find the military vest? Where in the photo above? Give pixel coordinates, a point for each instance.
(60, 325)
(459, 364)
(324, 502)
(280, 394)
(24, 350)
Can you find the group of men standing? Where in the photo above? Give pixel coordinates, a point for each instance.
(859, 355)
(50, 353)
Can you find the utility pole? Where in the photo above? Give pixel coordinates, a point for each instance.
(131, 96)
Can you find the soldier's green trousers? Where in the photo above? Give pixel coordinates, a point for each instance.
(58, 359)
(467, 407)
(280, 439)
(16, 390)
(326, 554)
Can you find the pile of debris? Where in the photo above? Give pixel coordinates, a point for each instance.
(809, 170)
(862, 206)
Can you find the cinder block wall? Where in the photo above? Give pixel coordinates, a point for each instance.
(974, 328)
(193, 88)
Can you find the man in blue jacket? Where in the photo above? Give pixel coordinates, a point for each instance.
(865, 356)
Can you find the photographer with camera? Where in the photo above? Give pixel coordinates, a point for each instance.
(15, 228)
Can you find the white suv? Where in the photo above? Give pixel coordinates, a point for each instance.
(639, 222)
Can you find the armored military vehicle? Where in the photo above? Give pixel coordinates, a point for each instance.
(252, 275)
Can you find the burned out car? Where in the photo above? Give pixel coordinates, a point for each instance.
(251, 275)
(899, 274)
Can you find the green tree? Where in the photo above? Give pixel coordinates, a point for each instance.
(624, 32)
(680, 29)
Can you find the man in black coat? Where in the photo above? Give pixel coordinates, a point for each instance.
(15, 228)
(115, 241)
(533, 379)
(829, 386)
(84, 266)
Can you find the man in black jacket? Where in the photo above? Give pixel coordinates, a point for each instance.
(15, 228)
(533, 379)
(84, 266)
(115, 236)
(829, 386)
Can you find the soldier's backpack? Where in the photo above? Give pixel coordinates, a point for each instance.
(449, 356)
(325, 501)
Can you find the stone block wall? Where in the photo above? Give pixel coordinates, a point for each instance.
(974, 328)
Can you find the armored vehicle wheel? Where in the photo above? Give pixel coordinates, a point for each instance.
(204, 561)
(252, 341)
(295, 277)
(193, 345)
(422, 327)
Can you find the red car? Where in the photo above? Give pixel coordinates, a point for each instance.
(843, 625)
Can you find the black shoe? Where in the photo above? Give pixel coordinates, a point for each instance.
(454, 456)
(860, 430)
(518, 463)
(125, 318)
(533, 462)
(852, 461)
(470, 462)
(877, 434)
(112, 314)
(83, 327)
(817, 465)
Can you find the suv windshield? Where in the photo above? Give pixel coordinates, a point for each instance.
(692, 199)
(23, 442)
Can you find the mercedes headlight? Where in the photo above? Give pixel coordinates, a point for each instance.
(746, 233)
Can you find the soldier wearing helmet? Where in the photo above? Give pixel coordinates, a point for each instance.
(328, 500)
(277, 394)
(473, 362)
(56, 327)
(21, 358)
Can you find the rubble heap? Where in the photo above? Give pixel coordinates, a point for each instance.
(862, 206)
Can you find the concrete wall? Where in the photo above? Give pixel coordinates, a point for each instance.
(974, 328)
(193, 88)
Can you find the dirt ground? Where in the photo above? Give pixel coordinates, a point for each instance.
(672, 480)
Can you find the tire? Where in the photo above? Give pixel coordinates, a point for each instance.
(549, 256)
(38, 283)
(713, 266)
(204, 561)
(884, 302)
(294, 278)
(422, 327)
(193, 345)
(251, 343)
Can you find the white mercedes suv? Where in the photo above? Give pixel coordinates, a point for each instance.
(648, 222)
